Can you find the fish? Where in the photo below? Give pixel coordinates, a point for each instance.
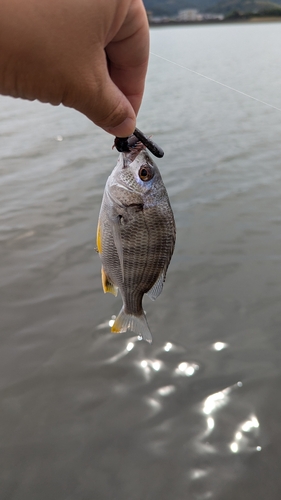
(136, 236)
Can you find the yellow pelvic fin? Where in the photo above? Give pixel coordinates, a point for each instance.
(108, 286)
(99, 245)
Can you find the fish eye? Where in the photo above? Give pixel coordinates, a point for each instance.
(146, 173)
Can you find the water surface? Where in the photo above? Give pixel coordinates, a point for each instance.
(89, 415)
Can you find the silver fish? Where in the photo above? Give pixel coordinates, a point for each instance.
(135, 236)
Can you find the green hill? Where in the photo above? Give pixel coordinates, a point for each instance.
(245, 6)
(171, 7)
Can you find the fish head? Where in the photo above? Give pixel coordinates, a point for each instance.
(136, 176)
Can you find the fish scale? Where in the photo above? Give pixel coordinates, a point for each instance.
(135, 237)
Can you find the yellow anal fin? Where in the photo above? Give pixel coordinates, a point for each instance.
(98, 239)
(108, 286)
(117, 326)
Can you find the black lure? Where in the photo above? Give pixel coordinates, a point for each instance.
(125, 144)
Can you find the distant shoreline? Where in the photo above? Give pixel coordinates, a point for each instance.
(269, 19)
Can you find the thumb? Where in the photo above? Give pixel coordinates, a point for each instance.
(104, 104)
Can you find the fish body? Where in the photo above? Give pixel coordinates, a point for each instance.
(135, 236)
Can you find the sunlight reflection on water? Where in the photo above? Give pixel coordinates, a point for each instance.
(245, 434)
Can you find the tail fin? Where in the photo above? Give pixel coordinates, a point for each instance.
(137, 324)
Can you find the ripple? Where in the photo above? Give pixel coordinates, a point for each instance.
(109, 349)
(187, 369)
(166, 390)
(219, 346)
(216, 401)
(246, 436)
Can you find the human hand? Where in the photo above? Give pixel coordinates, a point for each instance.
(90, 55)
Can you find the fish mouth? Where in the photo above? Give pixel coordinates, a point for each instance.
(130, 147)
(126, 144)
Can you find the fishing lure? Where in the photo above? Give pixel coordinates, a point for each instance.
(124, 144)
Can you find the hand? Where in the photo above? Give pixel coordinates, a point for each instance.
(90, 55)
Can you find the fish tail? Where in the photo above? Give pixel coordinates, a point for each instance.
(137, 324)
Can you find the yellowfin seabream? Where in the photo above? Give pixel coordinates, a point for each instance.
(135, 236)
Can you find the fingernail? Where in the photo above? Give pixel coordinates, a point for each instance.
(125, 128)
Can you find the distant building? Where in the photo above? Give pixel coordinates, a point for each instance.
(160, 19)
(212, 17)
(189, 15)
(186, 15)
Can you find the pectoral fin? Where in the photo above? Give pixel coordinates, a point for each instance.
(155, 291)
(108, 286)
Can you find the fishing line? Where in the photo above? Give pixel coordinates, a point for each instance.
(216, 81)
